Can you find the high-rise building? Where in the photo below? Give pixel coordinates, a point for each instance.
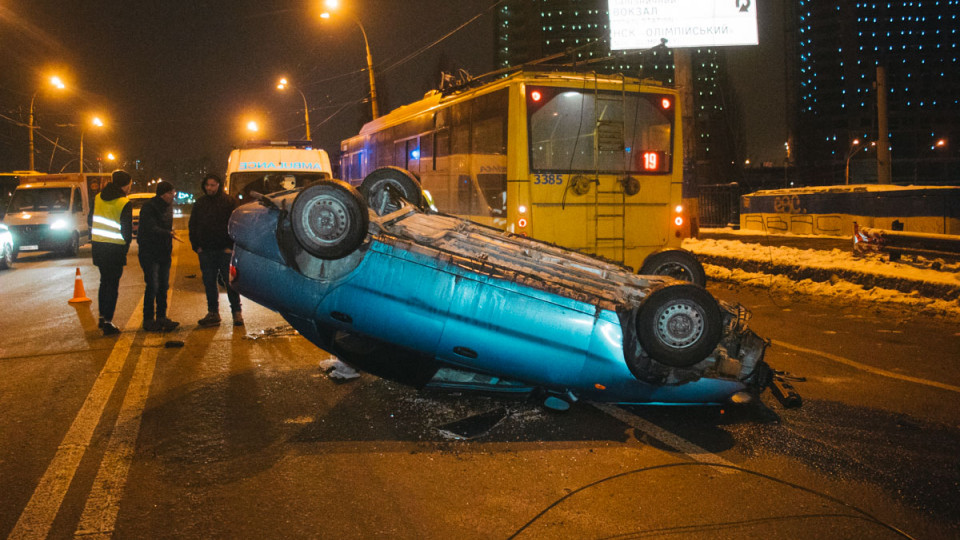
(838, 49)
(576, 32)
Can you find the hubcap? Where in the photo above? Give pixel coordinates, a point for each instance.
(680, 325)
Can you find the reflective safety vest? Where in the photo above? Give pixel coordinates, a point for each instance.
(106, 220)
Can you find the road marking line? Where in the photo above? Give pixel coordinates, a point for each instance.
(869, 369)
(99, 517)
(103, 503)
(670, 439)
(37, 517)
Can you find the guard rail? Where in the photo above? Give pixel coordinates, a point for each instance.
(896, 243)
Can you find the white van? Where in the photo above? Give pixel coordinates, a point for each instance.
(49, 212)
(270, 166)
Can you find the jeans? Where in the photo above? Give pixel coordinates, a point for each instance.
(156, 276)
(214, 266)
(109, 289)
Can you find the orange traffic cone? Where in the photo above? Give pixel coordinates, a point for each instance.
(79, 295)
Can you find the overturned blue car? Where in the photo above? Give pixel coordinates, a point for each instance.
(431, 300)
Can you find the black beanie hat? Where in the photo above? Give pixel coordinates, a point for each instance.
(164, 187)
(120, 178)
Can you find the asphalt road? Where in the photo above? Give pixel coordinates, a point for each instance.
(239, 434)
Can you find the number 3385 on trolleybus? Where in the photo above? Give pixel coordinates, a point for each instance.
(586, 161)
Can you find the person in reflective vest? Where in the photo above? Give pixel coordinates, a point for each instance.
(111, 232)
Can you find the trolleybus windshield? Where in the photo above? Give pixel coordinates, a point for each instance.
(573, 130)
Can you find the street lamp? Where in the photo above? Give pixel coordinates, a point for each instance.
(253, 126)
(110, 157)
(96, 122)
(282, 85)
(56, 83)
(335, 4)
(854, 148)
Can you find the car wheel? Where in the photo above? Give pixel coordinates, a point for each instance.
(677, 264)
(73, 247)
(679, 325)
(380, 187)
(6, 257)
(329, 219)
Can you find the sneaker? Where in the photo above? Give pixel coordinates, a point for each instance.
(211, 319)
(167, 325)
(100, 323)
(109, 329)
(237, 318)
(151, 325)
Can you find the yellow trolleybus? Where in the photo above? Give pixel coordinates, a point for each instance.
(586, 161)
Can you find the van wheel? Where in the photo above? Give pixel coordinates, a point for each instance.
(73, 247)
(6, 258)
(679, 325)
(381, 187)
(329, 219)
(677, 264)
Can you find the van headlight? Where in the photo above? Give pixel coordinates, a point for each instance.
(59, 225)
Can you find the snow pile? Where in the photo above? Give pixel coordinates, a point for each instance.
(835, 273)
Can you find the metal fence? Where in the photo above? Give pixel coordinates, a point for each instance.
(719, 205)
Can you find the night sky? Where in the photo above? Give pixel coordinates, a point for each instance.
(176, 80)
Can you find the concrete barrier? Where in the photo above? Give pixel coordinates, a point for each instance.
(832, 210)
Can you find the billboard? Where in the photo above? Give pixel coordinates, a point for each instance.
(642, 24)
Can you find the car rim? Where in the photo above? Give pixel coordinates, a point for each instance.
(328, 220)
(381, 195)
(680, 325)
(675, 270)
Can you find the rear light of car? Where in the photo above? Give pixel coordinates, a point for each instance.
(233, 273)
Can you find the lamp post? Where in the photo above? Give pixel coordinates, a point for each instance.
(96, 122)
(333, 5)
(110, 157)
(854, 148)
(57, 83)
(282, 85)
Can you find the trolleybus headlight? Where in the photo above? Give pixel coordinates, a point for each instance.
(678, 221)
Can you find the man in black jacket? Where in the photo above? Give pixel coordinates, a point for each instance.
(209, 238)
(111, 230)
(155, 241)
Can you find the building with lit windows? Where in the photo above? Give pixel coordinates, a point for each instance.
(838, 47)
(576, 32)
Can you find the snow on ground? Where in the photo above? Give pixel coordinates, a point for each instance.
(919, 270)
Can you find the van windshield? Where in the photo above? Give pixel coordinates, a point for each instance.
(264, 183)
(40, 200)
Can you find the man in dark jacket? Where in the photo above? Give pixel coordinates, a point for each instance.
(111, 224)
(209, 238)
(155, 241)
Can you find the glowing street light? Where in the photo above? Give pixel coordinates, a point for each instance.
(854, 148)
(333, 5)
(55, 82)
(253, 126)
(95, 122)
(282, 85)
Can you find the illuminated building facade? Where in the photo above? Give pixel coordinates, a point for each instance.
(838, 47)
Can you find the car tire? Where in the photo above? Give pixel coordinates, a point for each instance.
(677, 264)
(679, 325)
(6, 257)
(376, 189)
(74, 246)
(329, 219)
